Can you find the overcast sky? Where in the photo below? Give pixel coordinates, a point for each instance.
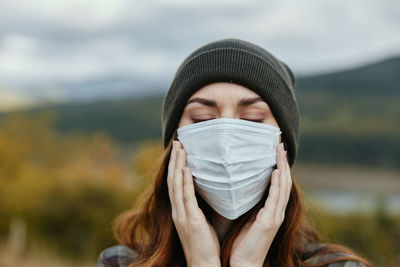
(78, 49)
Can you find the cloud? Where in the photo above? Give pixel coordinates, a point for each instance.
(69, 44)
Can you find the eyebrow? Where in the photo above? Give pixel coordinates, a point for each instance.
(204, 101)
(249, 101)
(212, 103)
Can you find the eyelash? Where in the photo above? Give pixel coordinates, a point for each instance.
(256, 120)
(196, 121)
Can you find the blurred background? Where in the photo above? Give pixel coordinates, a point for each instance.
(81, 87)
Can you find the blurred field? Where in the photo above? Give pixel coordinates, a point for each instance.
(35, 258)
(349, 188)
(60, 192)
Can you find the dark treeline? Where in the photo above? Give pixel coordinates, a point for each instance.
(347, 117)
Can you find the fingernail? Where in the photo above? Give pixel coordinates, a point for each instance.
(173, 144)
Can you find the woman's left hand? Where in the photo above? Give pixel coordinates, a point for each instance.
(253, 242)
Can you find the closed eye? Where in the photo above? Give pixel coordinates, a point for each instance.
(253, 120)
(196, 121)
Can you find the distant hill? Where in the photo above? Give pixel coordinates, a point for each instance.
(352, 116)
(349, 117)
(378, 79)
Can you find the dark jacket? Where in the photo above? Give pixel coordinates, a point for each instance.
(122, 256)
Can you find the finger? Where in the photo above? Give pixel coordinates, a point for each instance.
(171, 165)
(279, 163)
(287, 177)
(289, 182)
(179, 144)
(189, 197)
(170, 178)
(265, 213)
(286, 163)
(288, 170)
(288, 186)
(178, 184)
(273, 194)
(283, 189)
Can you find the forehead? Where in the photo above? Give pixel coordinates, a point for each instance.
(224, 91)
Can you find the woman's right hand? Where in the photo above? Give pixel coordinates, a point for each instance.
(198, 238)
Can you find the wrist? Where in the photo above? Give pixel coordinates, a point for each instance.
(247, 264)
(209, 263)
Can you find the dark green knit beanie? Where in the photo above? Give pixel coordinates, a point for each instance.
(243, 63)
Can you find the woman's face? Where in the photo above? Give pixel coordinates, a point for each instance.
(226, 100)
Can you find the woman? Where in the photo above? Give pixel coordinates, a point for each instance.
(224, 194)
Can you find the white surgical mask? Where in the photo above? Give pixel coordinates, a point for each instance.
(231, 161)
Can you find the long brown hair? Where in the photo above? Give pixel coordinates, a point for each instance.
(150, 231)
